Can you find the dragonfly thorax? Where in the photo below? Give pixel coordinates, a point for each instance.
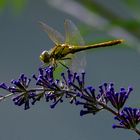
(45, 57)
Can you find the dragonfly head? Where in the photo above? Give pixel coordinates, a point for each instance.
(45, 57)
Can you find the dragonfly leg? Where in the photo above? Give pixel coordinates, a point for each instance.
(66, 58)
(53, 63)
(63, 65)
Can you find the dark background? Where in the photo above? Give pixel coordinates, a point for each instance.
(22, 41)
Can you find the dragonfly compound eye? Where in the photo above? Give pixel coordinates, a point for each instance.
(45, 57)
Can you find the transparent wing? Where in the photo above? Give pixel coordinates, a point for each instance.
(54, 35)
(73, 37)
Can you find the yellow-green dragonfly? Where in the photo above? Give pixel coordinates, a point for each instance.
(71, 44)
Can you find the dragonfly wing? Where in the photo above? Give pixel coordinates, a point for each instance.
(72, 33)
(73, 37)
(54, 35)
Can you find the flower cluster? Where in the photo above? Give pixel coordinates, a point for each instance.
(72, 87)
(128, 118)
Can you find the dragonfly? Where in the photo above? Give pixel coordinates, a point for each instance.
(65, 47)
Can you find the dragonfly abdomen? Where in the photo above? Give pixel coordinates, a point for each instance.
(98, 45)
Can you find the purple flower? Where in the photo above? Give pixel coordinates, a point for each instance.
(118, 99)
(93, 102)
(54, 89)
(89, 101)
(72, 87)
(19, 90)
(128, 118)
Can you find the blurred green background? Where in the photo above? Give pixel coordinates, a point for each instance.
(22, 41)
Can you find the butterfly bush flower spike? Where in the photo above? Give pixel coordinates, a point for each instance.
(72, 87)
